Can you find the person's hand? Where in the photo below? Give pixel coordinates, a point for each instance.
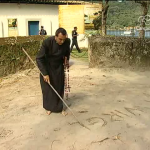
(67, 63)
(47, 79)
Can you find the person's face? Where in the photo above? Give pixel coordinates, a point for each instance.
(60, 39)
(75, 29)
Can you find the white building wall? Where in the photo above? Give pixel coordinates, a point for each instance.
(47, 15)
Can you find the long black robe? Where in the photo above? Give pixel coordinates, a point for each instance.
(50, 60)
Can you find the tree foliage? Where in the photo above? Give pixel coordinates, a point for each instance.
(123, 14)
(97, 21)
(120, 15)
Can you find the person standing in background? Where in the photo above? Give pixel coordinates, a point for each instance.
(42, 31)
(74, 40)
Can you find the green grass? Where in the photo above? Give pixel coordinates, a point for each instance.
(81, 56)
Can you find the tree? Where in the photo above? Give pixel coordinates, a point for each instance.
(143, 18)
(105, 7)
(14, 23)
(97, 21)
(124, 14)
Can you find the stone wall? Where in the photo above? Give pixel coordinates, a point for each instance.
(118, 52)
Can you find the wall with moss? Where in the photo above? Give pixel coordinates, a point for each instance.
(119, 52)
(12, 58)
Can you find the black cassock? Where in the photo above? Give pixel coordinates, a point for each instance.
(50, 61)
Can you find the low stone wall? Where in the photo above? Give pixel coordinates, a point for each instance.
(12, 58)
(118, 52)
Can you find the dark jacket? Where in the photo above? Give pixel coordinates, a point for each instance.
(74, 32)
(43, 32)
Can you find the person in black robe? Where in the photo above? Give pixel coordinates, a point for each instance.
(50, 61)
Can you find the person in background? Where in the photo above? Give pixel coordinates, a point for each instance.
(42, 31)
(74, 40)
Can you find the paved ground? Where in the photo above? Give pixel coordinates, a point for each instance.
(114, 105)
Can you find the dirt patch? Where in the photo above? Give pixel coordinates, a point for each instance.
(113, 104)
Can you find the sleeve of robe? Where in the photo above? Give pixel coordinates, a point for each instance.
(41, 59)
(68, 49)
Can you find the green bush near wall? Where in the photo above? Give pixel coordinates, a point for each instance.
(12, 58)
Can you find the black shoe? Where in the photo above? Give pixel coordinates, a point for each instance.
(79, 51)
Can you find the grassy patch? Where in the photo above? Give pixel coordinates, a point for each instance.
(81, 56)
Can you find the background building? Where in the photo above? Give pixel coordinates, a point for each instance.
(26, 17)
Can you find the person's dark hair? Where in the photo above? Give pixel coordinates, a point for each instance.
(61, 30)
(42, 26)
(75, 27)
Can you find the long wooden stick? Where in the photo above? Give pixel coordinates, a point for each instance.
(55, 91)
